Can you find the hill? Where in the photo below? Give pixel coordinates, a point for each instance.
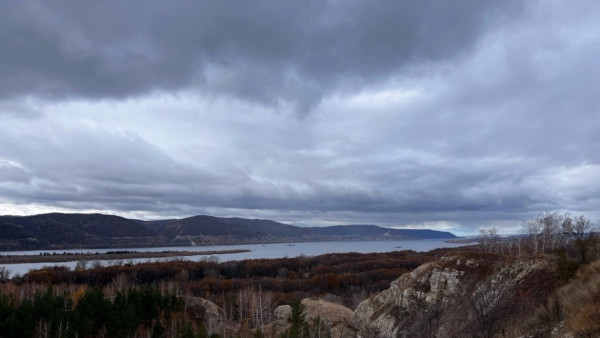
(366, 231)
(59, 230)
(460, 295)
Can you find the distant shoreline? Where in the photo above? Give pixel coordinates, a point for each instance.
(116, 255)
(462, 240)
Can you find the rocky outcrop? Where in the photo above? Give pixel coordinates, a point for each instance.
(324, 318)
(204, 312)
(280, 318)
(465, 294)
(455, 296)
(329, 316)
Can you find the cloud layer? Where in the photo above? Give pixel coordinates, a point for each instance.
(450, 115)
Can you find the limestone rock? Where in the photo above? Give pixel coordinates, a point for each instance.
(435, 299)
(280, 317)
(333, 317)
(204, 312)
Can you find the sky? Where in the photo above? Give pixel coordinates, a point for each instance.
(449, 115)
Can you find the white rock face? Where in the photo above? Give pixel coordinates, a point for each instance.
(428, 284)
(419, 297)
(334, 317)
(281, 315)
(282, 312)
(204, 311)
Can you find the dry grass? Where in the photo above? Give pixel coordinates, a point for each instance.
(573, 310)
(580, 302)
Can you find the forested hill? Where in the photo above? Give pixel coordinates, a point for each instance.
(57, 230)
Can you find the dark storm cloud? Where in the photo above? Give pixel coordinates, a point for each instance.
(442, 114)
(297, 51)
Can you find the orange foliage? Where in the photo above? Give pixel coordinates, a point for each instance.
(76, 295)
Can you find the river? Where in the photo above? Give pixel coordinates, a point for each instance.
(271, 250)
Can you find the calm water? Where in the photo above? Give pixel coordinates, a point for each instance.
(277, 250)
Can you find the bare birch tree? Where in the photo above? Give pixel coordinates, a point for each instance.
(488, 238)
(551, 229)
(580, 229)
(534, 229)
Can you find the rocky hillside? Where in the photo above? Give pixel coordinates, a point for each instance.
(463, 294)
(474, 295)
(467, 294)
(443, 293)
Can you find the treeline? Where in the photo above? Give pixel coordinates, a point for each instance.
(347, 277)
(90, 312)
(574, 240)
(244, 293)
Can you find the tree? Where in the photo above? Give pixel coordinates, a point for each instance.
(544, 231)
(534, 229)
(93, 309)
(298, 326)
(261, 307)
(551, 226)
(81, 265)
(158, 330)
(485, 303)
(4, 272)
(580, 230)
(488, 238)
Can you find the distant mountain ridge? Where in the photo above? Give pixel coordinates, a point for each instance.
(61, 231)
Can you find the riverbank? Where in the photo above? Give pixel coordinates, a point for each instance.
(110, 255)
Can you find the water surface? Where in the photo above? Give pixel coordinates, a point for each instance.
(271, 250)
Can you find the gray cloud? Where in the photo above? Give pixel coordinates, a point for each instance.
(446, 114)
(19, 109)
(298, 52)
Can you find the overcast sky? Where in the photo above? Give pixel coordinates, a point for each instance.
(450, 115)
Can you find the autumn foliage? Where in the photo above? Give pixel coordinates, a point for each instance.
(348, 276)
